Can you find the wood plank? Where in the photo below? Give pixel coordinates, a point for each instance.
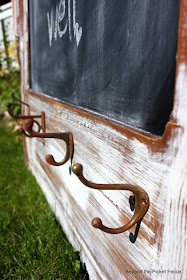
(111, 153)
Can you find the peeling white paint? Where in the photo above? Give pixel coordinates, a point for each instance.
(106, 164)
(175, 231)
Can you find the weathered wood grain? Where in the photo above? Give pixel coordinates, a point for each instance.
(111, 153)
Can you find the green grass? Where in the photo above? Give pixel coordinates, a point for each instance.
(32, 244)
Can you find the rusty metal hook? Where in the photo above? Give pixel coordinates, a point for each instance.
(66, 136)
(8, 104)
(141, 201)
(21, 130)
(42, 116)
(17, 99)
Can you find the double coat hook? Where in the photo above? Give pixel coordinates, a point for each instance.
(65, 136)
(141, 201)
(24, 117)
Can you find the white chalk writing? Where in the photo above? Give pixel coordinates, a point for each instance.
(55, 18)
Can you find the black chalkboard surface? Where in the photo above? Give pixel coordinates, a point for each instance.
(113, 57)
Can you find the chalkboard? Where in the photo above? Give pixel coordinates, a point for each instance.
(115, 58)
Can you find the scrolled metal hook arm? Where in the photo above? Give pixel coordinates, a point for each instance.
(23, 117)
(141, 201)
(19, 100)
(8, 104)
(66, 136)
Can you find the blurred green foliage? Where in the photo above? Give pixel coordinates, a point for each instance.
(10, 82)
(9, 72)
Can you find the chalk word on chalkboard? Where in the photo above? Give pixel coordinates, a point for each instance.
(54, 26)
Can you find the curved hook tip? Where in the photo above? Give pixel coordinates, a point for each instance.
(97, 223)
(50, 159)
(28, 124)
(8, 104)
(77, 169)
